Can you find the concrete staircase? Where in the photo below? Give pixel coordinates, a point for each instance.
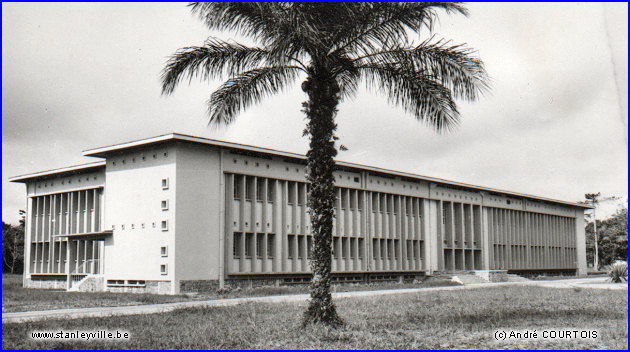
(90, 283)
(517, 278)
(480, 276)
(467, 278)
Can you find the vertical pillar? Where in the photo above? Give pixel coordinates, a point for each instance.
(278, 226)
(229, 221)
(255, 225)
(431, 235)
(242, 219)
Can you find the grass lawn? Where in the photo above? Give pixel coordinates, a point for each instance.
(15, 298)
(463, 319)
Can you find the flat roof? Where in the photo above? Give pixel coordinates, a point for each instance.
(171, 137)
(64, 170)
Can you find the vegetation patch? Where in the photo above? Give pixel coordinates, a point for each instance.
(462, 319)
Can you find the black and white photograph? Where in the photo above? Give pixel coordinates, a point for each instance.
(314, 176)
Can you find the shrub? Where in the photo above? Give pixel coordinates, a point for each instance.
(618, 271)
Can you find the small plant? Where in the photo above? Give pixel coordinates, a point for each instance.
(618, 271)
(223, 291)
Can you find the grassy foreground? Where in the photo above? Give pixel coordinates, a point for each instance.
(15, 298)
(463, 319)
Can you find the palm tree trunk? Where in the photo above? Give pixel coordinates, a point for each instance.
(320, 109)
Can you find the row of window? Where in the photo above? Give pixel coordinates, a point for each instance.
(250, 244)
(348, 198)
(244, 244)
(249, 183)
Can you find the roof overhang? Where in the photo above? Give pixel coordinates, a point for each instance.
(61, 171)
(178, 137)
(87, 235)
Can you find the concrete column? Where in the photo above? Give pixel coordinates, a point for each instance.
(278, 225)
(431, 235)
(28, 237)
(228, 256)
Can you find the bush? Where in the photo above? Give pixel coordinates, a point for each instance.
(618, 271)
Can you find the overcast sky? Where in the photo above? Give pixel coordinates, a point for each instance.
(79, 76)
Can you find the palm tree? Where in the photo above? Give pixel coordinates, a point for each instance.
(335, 47)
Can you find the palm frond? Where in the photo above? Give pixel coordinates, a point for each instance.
(380, 24)
(454, 66)
(416, 92)
(212, 60)
(247, 88)
(257, 20)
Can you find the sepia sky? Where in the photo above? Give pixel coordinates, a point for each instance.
(78, 76)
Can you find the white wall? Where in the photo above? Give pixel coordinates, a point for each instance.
(198, 212)
(133, 196)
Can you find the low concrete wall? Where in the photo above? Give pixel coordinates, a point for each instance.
(154, 287)
(492, 275)
(45, 283)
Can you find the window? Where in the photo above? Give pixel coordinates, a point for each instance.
(237, 187)
(236, 245)
(353, 205)
(291, 199)
(259, 245)
(301, 196)
(164, 205)
(270, 194)
(165, 183)
(334, 247)
(248, 245)
(260, 187)
(248, 189)
(361, 248)
(444, 214)
(270, 242)
(344, 247)
(164, 225)
(353, 252)
(163, 269)
(291, 245)
(300, 241)
(342, 199)
(409, 250)
(164, 251)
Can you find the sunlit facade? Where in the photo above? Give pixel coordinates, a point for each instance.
(178, 213)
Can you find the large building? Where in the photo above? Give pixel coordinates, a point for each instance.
(177, 213)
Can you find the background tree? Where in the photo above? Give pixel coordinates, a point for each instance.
(594, 199)
(612, 238)
(12, 248)
(333, 47)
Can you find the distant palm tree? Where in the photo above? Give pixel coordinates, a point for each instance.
(336, 46)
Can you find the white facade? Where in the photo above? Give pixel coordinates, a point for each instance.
(176, 213)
